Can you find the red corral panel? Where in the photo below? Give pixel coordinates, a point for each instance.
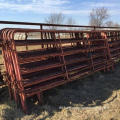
(38, 60)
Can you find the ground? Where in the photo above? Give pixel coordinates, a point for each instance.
(93, 98)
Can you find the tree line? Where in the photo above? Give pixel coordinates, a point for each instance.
(97, 17)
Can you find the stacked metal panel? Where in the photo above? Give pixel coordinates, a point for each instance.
(113, 38)
(50, 58)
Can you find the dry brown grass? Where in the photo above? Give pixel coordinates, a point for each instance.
(94, 98)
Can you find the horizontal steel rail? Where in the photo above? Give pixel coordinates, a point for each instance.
(57, 25)
(63, 59)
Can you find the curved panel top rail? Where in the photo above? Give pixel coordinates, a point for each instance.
(8, 34)
(56, 31)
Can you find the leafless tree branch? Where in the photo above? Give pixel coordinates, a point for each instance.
(98, 16)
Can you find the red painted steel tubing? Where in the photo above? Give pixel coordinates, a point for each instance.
(80, 54)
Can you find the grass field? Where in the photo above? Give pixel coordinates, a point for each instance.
(94, 98)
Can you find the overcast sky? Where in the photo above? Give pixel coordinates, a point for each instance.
(37, 10)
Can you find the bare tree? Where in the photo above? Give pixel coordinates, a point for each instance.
(59, 18)
(111, 24)
(98, 16)
(55, 18)
(70, 21)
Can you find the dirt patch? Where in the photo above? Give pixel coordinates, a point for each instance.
(94, 98)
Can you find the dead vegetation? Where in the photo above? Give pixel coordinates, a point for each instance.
(94, 98)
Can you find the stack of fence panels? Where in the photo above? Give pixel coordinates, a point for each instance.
(114, 44)
(100, 53)
(37, 60)
(76, 55)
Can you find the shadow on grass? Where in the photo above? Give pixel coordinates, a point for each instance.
(8, 109)
(87, 92)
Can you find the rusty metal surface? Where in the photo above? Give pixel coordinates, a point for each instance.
(57, 25)
(56, 57)
(45, 24)
(49, 58)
